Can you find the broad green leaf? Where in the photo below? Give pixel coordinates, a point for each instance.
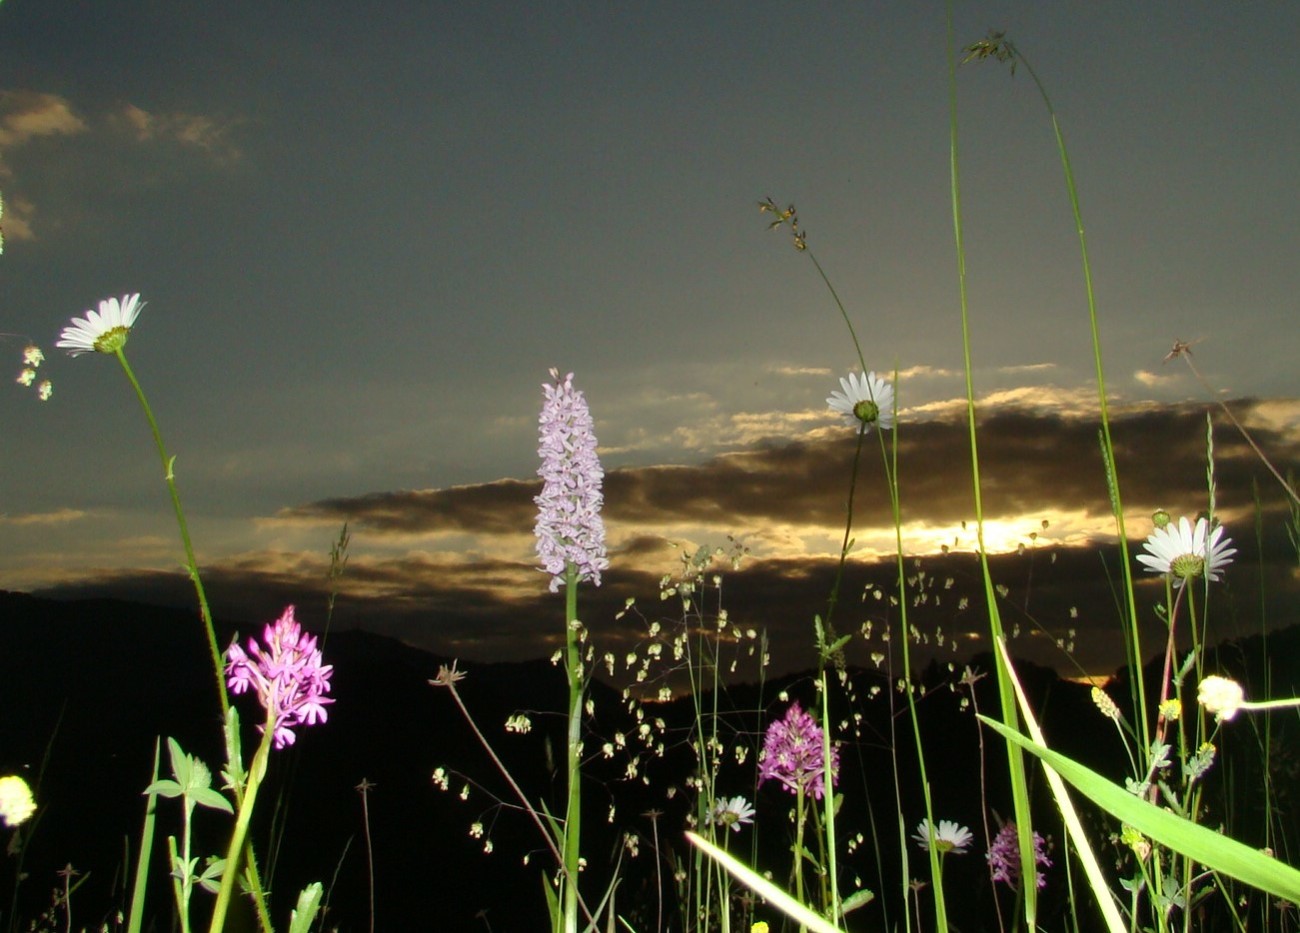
(207, 797)
(300, 920)
(1212, 849)
(164, 788)
(764, 888)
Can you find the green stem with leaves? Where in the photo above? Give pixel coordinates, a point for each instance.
(247, 800)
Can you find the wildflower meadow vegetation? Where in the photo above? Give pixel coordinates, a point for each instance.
(767, 831)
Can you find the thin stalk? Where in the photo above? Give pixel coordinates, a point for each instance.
(1015, 758)
(136, 911)
(364, 789)
(191, 564)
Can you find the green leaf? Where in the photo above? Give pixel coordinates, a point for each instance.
(234, 775)
(1213, 850)
(210, 880)
(164, 788)
(764, 888)
(207, 797)
(300, 920)
(839, 644)
(857, 899)
(180, 762)
(552, 902)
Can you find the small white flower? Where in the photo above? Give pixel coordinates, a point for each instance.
(1186, 552)
(16, 803)
(732, 812)
(104, 331)
(949, 837)
(1221, 696)
(867, 400)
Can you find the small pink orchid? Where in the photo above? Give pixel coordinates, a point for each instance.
(288, 676)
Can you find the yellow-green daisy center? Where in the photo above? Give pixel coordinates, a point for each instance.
(866, 411)
(112, 340)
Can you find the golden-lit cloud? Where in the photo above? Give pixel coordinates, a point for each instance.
(55, 517)
(1155, 380)
(26, 116)
(1023, 368)
(455, 568)
(206, 134)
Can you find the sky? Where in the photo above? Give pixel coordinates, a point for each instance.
(364, 235)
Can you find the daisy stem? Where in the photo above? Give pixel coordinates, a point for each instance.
(191, 564)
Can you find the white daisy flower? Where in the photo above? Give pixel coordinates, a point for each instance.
(103, 332)
(732, 812)
(949, 837)
(867, 400)
(1186, 552)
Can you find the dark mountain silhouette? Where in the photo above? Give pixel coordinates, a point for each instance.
(87, 686)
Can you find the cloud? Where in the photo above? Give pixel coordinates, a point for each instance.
(56, 517)
(1021, 369)
(97, 156)
(789, 495)
(203, 133)
(453, 569)
(26, 116)
(1154, 380)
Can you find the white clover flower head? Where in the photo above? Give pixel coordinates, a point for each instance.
(948, 837)
(866, 400)
(1185, 552)
(104, 331)
(16, 803)
(1221, 696)
(732, 812)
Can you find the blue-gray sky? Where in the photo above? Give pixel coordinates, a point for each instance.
(364, 234)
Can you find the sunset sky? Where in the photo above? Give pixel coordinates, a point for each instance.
(365, 234)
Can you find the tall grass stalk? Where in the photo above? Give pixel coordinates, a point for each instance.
(1015, 760)
(1003, 49)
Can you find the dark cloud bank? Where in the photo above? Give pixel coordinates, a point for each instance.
(1054, 596)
